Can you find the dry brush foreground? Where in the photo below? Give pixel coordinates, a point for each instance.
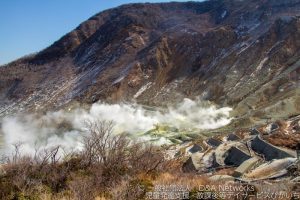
(109, 166)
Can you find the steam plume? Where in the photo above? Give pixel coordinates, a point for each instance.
(64, 128)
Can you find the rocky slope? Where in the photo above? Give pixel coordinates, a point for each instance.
(243, 54)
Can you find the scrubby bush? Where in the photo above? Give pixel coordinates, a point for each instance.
(108, 162)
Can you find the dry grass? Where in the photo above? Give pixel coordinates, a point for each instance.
(284, 136)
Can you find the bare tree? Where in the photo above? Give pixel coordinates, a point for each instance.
(16, 153)
(106, 161)
(101, 146)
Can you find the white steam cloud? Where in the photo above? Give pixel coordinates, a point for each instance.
(64, 128)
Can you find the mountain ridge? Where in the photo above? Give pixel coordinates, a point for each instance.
(239, 53)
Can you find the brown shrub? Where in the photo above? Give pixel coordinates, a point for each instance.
(107, 161)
